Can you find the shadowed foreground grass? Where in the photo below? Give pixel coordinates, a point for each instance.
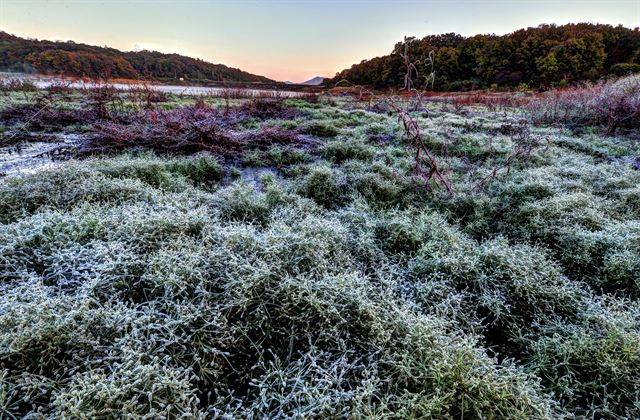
(160, 286)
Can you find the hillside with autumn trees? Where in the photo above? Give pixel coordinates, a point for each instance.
(82, 60)
(543, 56)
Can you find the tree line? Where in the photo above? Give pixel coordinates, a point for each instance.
(81, 60)
(539, 57)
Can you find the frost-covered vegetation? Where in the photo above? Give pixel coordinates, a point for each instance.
(286, 261)
(614, 104)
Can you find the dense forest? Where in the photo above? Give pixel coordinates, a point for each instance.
(73, 59)
(545, 56)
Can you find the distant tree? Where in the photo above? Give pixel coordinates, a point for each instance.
(540, 56)
(548, 69)
(74, 59)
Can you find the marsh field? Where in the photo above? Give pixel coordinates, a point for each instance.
(329, 256)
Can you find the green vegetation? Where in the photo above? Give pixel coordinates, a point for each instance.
(545, 56)
(297, 266)
(82, 60)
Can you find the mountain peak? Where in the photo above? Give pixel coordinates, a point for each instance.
(314, 82)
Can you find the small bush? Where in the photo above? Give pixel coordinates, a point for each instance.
(326, 186)
(199, 170)
(340, 150)
(287, 156)
(241, 203)
(253, 159)
(320, 129)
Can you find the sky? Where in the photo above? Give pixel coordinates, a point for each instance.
(287, 39)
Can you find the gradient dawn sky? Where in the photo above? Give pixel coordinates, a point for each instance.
(287, 39)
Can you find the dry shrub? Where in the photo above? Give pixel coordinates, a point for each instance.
(17, 85)
(145, 97)
(267, 108)
(186, 130)
(613, 104)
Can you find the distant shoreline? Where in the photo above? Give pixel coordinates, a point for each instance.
(174, 84)
(179, 88)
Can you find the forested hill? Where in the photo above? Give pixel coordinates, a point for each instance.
(545, 56)
(72, 59)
